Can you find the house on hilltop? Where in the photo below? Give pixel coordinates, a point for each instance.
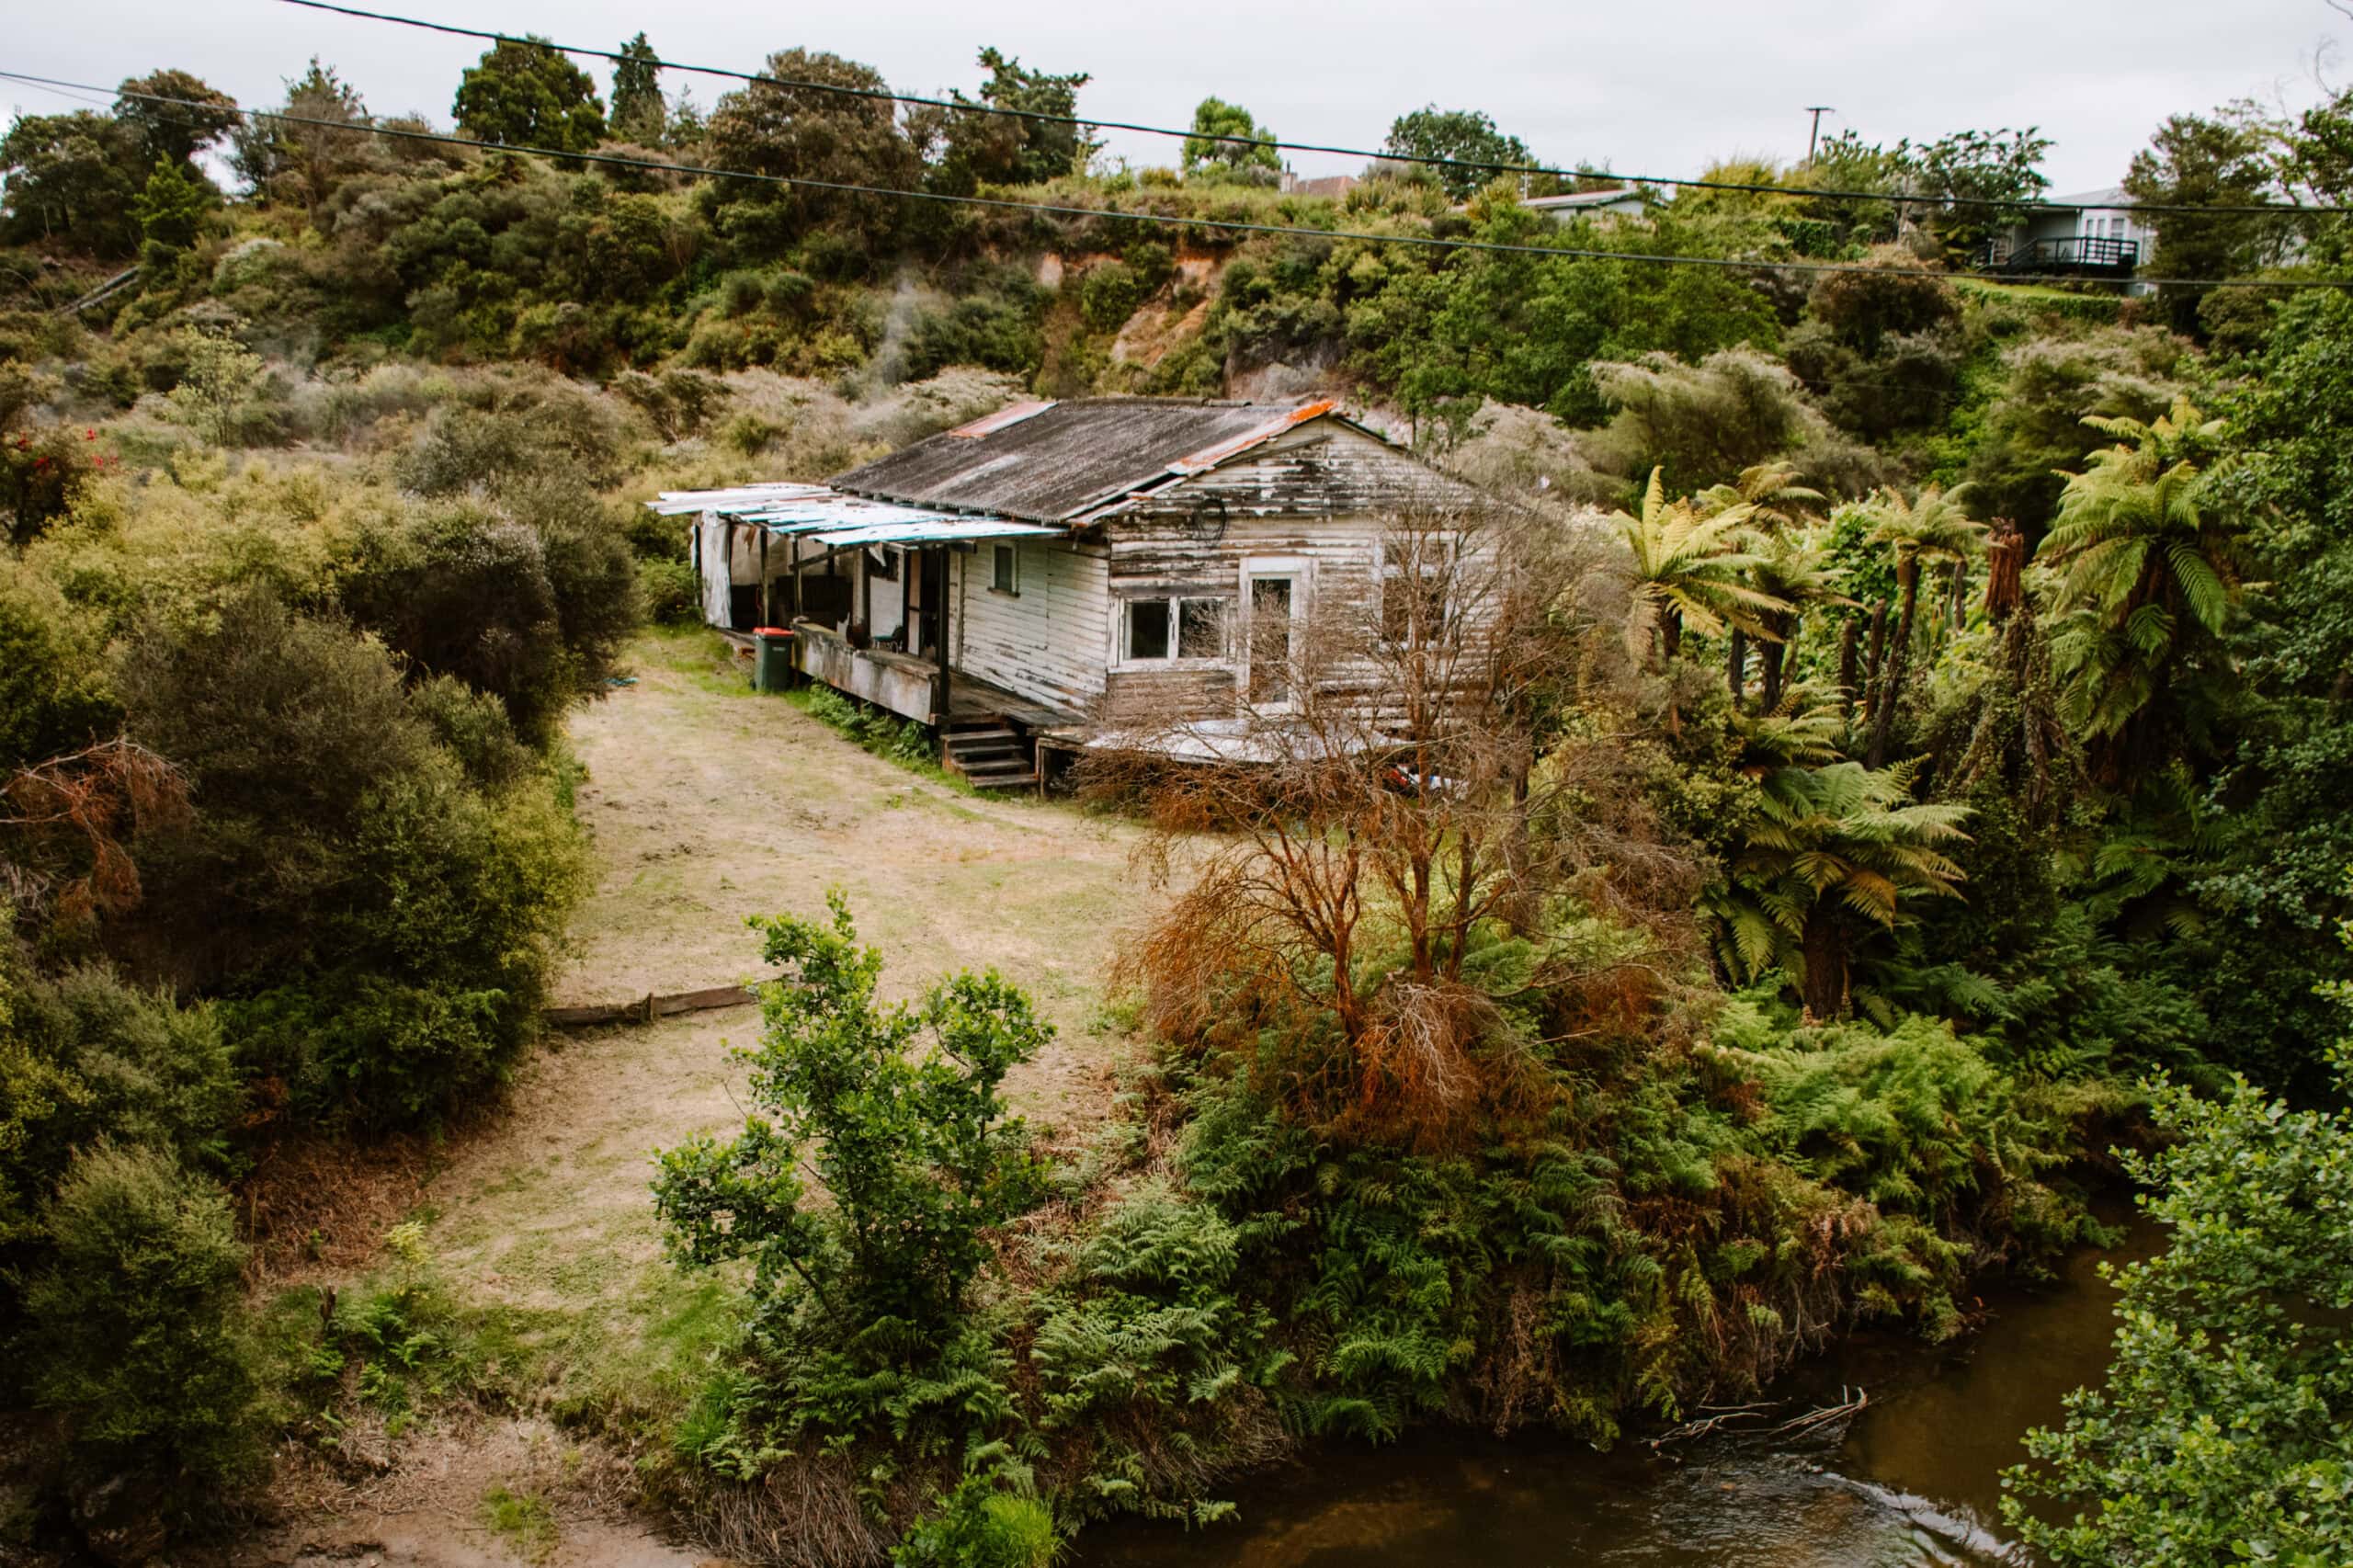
(1014, 581)
(2092, 233)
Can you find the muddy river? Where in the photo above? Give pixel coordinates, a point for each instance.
(1911, 1480)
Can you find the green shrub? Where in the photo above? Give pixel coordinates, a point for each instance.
(2221, 1432)
(145, 1068)
(529, 603)
(427, 979)
(916, 1154)
(52, 698)
(134, 1332)
(671, 594)
(42, 472)
(474, 728)
(880, 730)
(511, 428)
(383, 926)
(980, 1526)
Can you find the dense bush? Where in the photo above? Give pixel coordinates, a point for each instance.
(134, 1332)
(2221, 1431)
(528, 605)
(385, 925)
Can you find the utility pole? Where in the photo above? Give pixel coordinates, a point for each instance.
(1814, 137)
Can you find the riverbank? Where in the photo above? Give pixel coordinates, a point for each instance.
(1912, 1480)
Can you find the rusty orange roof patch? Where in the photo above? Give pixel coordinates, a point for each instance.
(1209, 457)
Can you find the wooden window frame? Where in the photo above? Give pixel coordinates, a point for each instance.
(1175, 658)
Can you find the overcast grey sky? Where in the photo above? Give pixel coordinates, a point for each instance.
(1654, 86)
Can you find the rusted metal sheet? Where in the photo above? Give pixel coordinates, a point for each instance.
(1234, 445)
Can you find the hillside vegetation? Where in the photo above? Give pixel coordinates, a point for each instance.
(1916, 763)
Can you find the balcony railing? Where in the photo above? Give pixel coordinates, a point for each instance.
(2067, 253)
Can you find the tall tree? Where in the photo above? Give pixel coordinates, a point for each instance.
(1795, 568)
(305, 156)
(1687, 566)
(527, 94)
(1466, 136)
(1982, 165)
(69, 180)
(1932, 527)
(967, 146)
(2229, 158)
(2149, 564)
(1834, 851)
(638, 108)
(1207, 156)
(176, 132)
(773, 129)
(1777, 503)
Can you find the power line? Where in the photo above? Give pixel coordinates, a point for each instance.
(1231, 225)
(1430, 161)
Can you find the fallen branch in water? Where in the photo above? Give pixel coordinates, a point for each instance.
(1848, 1407)
(1717, 1418)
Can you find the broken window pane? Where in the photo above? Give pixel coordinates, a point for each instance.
(1147, 629)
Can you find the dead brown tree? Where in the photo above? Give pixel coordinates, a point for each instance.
(65, 824)
(1350, 827)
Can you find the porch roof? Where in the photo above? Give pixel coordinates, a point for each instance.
(833, 520)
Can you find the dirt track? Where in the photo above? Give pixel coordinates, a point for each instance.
(708, 804)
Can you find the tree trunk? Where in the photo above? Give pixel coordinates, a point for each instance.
(1770, 656)
(1850, 662)
(1875, 660)
(2004, 560)
(1892, 687)
(1736, 666)
(1825, 990)
(1670, 631)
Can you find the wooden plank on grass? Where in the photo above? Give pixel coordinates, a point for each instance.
(647, 1008)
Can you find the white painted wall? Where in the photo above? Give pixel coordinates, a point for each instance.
(1050, 639)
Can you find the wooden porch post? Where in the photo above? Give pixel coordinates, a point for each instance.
(945, 706)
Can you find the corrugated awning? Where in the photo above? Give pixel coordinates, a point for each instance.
(733, 499)
(834, 520)
(931, 531)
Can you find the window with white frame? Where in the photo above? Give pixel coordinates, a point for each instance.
(1275, 591)
(1177, 627)
(1005, 569)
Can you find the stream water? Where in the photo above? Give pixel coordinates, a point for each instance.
(1912, 1480)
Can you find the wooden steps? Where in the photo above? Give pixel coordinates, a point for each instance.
(990, 753)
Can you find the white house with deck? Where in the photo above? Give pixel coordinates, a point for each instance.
(1016, 581)
(2091, 233)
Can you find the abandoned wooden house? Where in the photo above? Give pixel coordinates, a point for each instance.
(1015, 580)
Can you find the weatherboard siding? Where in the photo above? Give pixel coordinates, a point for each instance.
(1323, 497)
(1049, 641)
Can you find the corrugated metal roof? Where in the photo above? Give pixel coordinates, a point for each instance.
(1061, 460)
(990, 423)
